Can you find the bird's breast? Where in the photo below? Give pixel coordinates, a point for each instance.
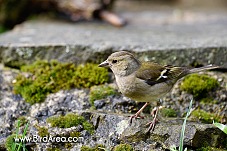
(140, 91)
(126, 84)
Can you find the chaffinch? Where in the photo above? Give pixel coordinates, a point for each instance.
(145, 81)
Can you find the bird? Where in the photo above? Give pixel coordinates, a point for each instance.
(145, 81)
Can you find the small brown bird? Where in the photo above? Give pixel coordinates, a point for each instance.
(145, 81)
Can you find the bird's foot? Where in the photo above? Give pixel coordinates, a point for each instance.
(152, 124)
(137, 115)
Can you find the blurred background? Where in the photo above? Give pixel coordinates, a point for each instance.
(13, 12)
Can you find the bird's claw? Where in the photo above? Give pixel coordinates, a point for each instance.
(136, 116)
(151, 125)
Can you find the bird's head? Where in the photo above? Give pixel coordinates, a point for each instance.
(122, 63)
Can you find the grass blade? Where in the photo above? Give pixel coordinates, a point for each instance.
(183, 127)
(221, 127)
(14, 146)
(23, 135)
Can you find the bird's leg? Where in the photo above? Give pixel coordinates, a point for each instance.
(138, 113)
(152, 124)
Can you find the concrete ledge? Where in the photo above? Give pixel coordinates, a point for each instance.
(16, 56)
(162, 36)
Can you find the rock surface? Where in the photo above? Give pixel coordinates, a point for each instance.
(11, 106)
(111, 127)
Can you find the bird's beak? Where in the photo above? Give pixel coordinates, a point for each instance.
(104, 64)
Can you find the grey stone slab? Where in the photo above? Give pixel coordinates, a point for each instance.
(166, 36)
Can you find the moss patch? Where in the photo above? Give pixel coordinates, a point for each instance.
(96, 148)
(199, 85)
(74, 134)
(166, 112)
(100, 92)
(204, 116)
(123, 147)
(9, 142)
(49, 77)
(53, 149)
(70, 120)
(210, 149)
(42, 131)
(68, 145)
(208, 100)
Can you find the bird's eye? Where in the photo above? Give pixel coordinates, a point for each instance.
(114, 61)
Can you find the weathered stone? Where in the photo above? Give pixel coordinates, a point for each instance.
(99, 104)
(196, 135)
(193, 37)
(60, 103)
(111, 127)
(12, 106)
(166, 133)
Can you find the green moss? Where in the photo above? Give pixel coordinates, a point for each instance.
(66, 121)
(74, 134)
(96, 148)
(88, 126)
(9, 142)
(208, 100)
(100, 92)
(70, 120)
(204, 116)
(42, 131)
(123, 147)
(210, 149)
(198, 85)
(166, 112)
(89, 75)
(53, 149)
(68, 145)
(60, 147)
(49, 77)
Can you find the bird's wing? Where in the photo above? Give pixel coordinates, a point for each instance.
(153, 73)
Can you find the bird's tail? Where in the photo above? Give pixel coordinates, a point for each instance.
(208, 67)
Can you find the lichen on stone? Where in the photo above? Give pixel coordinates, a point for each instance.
(100, 92)
(210, 149)
(123, 147)
(53, 149)
(199, 85)
(70, 120)
(49, 77)
(98, 147)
